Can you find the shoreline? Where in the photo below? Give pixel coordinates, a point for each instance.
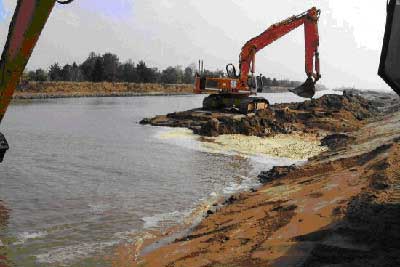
(32, 96)
(311, 215)
(49, 90)
(53, 90)
(150, 239)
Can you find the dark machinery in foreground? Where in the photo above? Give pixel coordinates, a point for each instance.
(28, 21)
(389, 67)
(3, 146)
(234, 90)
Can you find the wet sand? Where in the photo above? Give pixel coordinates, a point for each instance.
(292, 146)
(342, 208)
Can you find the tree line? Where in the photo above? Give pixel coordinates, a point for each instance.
(107, 67)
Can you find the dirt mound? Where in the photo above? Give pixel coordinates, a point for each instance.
(330, 113)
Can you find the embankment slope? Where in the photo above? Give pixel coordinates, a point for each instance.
(342, 208)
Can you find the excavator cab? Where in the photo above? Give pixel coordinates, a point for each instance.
(224, 92)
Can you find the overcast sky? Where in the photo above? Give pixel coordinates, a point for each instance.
(177, 32)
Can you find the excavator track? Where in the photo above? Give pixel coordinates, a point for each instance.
(241, 103)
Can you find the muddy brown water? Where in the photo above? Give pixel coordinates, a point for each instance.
(82, 176)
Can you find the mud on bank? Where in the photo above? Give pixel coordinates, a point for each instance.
(330, 113)
(342, 208)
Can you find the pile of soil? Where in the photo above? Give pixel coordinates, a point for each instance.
(330, 113)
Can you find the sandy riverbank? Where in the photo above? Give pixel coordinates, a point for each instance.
(293, 146)
(44, 90)
(342, 208)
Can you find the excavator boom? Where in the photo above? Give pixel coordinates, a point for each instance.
(310, 21)
(28, 21)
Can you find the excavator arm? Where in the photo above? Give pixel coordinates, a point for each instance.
(29, 19)
(310, 21)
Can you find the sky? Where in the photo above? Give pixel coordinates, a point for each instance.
(175, 32)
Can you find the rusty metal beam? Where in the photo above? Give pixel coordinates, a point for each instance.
(28, 21)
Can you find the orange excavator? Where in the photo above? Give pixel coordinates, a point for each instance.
(233, 91)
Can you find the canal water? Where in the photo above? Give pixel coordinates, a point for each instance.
(83, 176)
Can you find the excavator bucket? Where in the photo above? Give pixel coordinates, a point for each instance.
(306, 90)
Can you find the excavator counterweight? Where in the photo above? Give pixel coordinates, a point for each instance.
(234, 90)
